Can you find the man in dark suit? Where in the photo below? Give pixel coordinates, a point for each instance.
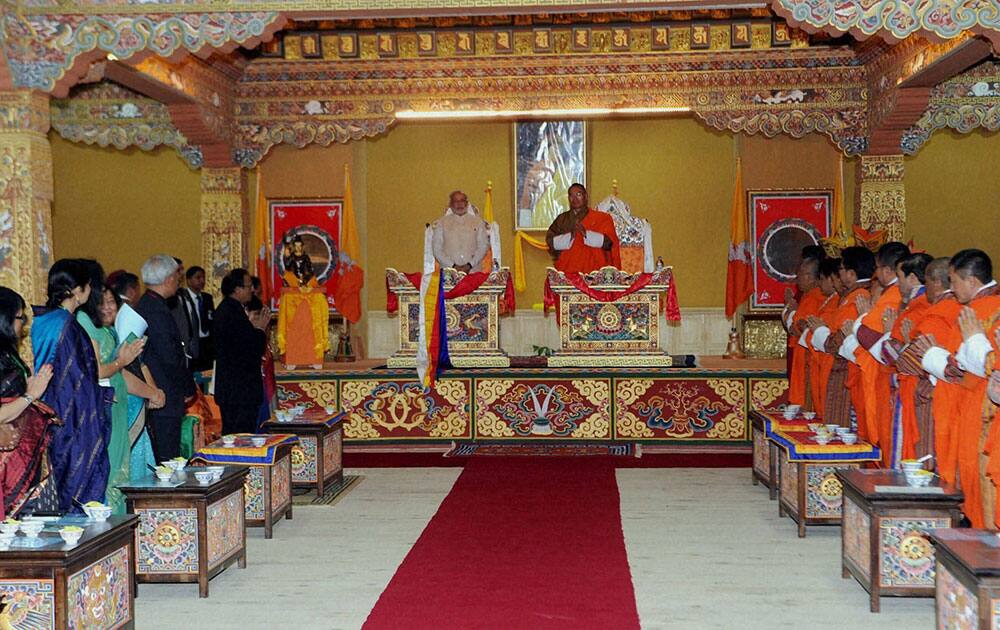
(164, 355)
(182, 317)
(239, 349)
(200, 308)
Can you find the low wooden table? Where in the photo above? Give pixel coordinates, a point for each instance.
(88, 585)
(968, 578)
(318, 457)
(267, 489)
(808, 488)
(188, 531)
(765, 452)
(884, 541)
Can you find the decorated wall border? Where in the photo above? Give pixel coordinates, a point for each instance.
(965, 103)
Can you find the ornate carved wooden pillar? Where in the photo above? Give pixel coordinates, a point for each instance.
(225, 222)
(880, 196)
(25, 193)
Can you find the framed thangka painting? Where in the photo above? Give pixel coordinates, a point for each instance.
(305, 241)
(549, 156)
(782, 222)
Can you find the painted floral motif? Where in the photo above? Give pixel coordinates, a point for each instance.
(28, 603)
(281, 488)
(906, 555)
(333, 452)
(957, 606)
(225, 527)
(99, 596)
(857, 537)
(304, 460)
(167, 540)
(824, 492)
(711, 409)
(563, 406)
(253, 491)
(401, 409)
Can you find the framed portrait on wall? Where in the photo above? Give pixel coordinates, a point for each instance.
(549, 156)
(782, 222)
(305, 239)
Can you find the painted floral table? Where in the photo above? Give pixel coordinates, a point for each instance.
(188, 531)
(45, 583)
(884, 534)
(967, 585)
(318, 457)
(268, 485)
(808, 488)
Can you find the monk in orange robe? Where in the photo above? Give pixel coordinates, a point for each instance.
(819, 363)
(794, 317)
(844, 386)
(911, 424)
(582, 239)
(937, 327)
(971, 275)
(876, 378)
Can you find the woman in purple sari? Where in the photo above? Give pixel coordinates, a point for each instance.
(79, 449)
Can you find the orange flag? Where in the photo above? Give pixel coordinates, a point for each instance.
(262, 243)
(350, 276)
(739, 279)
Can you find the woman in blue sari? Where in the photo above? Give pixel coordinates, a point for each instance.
(79, 448)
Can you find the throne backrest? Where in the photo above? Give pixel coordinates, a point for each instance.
(631, 232)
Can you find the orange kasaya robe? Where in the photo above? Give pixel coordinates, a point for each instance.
(847, 310)
(914, 311)
(580, 257)
(820, 363)
(941, 322)
(799, 376)
(973, 423)
(876, 379)
(992, 446)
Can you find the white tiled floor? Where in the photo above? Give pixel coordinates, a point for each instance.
(706, 548)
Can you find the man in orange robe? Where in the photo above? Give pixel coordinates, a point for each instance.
(863, 344)
(844, 386)
(971, 274)
(937, 327)
(820, 363)
(583, 239)
(794, 318)
(911, 434)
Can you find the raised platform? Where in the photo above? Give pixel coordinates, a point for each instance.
(707, 404)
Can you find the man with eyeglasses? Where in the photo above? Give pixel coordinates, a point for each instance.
(239, 349)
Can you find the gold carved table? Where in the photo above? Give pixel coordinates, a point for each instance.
(624, 331)
(472, 320)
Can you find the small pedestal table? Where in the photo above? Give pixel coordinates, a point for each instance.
(967, 593)
(318, 457)
(267, 489)
(884, 534)
(188, 531)
(45, 583)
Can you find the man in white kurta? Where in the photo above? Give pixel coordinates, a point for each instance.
(461, 238)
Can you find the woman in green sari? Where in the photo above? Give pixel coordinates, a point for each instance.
(111, 359)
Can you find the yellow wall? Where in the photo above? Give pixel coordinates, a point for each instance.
(122, 206)
(953, 194)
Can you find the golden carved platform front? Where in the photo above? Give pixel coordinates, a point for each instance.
(473, 320)
(622, 332)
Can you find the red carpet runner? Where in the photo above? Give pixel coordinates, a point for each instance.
(519, 542)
